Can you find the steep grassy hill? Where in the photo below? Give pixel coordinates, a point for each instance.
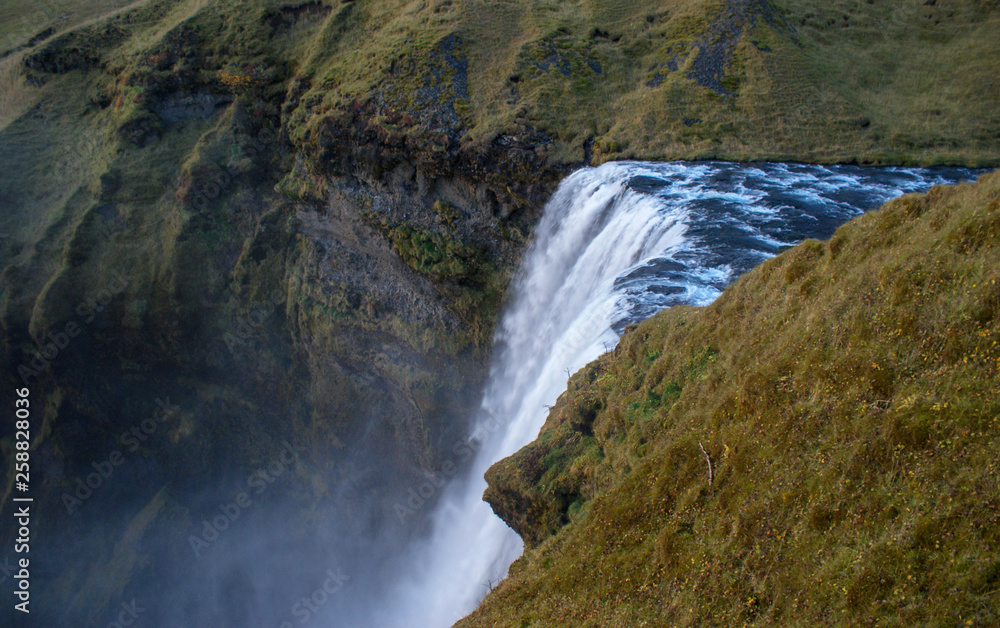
(297, 219)
(883, 82)
(817, 447)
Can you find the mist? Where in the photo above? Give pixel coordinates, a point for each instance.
(353, 532)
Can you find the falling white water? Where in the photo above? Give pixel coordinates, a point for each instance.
(563, 306)
(615, 244)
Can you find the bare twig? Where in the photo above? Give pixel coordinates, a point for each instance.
(881, 404)
(709, 461)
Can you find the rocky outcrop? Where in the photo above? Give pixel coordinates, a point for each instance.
(802, 414)
(538, 489)
(317, 209)
(177, 107)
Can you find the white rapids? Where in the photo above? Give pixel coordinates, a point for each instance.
(615, 244)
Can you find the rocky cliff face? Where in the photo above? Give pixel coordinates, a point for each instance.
(335, 292)
(295, 221)
(769, 458)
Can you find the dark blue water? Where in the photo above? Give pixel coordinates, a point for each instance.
(738, 215)
(615, 244)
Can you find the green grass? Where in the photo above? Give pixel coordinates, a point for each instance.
(845, 81)
(878, 82)
(503, 97)
(22, 20)
(846, 394)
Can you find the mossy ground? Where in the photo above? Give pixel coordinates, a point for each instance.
(875, 82)
(882, 82)
(113, 164)
(845, 393)
(108, 163)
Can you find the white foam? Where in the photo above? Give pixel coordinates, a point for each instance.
(564, 307)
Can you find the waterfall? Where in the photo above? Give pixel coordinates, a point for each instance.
(615, 244)
(559, 319)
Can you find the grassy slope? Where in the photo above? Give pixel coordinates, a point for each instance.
(843, 81)
(94, 180)
(26, 23)
(882, 81)
(846, 394)
(94, 183)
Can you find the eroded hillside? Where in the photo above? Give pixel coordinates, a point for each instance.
(297, 220)
(817, 447)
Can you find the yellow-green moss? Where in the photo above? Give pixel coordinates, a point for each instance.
(844, 393)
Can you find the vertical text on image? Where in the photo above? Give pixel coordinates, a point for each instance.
(22, 503)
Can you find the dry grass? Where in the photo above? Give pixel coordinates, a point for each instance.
(15, 96)
(846, 393)
(879, 82)
(20, 20)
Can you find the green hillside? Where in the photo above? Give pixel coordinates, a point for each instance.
(884, 82)
(298, 219)
(873, 82)
(817, 447)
